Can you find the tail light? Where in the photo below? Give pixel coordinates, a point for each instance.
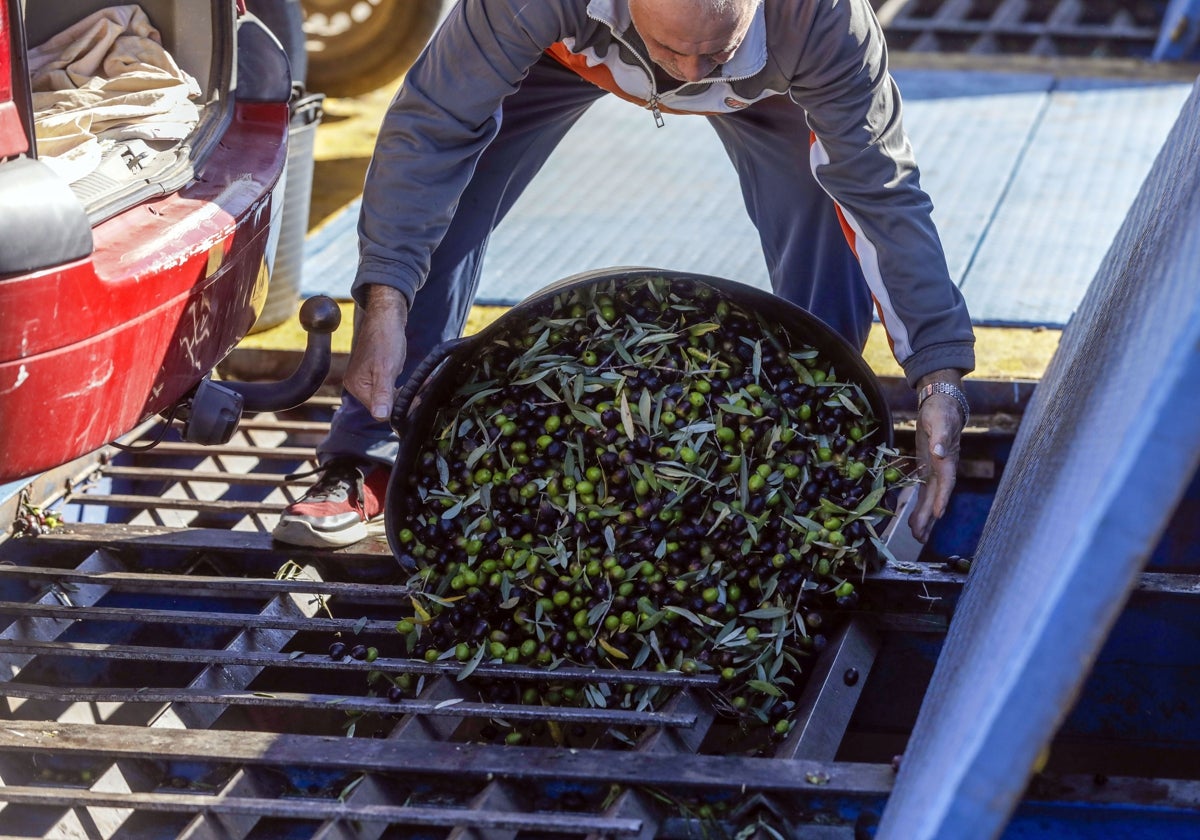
(13, 137)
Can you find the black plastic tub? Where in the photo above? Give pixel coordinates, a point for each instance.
(448, 365)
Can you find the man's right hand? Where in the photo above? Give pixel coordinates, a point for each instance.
(378, 351)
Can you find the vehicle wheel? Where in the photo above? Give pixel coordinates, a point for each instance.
(357, 46)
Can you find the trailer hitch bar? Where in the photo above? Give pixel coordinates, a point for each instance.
(211, 411)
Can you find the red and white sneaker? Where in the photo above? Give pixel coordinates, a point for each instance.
(343, 507)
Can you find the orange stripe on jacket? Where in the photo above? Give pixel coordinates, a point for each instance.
(851, 239)
(602, 77)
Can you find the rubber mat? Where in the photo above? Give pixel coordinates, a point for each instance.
(1030, 176)
(1107, 447)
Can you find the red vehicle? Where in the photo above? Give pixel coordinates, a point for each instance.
(134, 261)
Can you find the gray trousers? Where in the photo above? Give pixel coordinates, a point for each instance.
(807, 256)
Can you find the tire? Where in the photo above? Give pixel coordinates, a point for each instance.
(357, 46)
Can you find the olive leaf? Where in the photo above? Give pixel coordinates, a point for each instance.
(626, 416)
(471, 664)
(765, 687)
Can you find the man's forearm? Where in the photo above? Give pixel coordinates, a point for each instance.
(382, 298)
(951, 375)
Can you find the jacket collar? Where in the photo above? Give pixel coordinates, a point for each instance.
(750, 58)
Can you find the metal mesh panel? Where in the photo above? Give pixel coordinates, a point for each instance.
(167, 673)
(1104, 453)
(1048, 28)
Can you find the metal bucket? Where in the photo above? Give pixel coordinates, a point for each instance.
(442, 371)
(284, 290)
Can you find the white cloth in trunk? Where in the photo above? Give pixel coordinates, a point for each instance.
(107, 78)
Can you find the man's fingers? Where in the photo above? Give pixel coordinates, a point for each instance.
(944, 470)
(938, 428)
(381, 404)
(920, 521)
(933, 497)
(373, 388)
(377, 393)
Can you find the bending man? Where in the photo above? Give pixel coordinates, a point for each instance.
(800, 96)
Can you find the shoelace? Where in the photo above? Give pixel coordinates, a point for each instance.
(332, 474)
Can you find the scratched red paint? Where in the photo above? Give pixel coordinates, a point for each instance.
(99, 345)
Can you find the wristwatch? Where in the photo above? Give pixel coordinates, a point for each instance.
(950, 391)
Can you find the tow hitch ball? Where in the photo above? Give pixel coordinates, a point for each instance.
(211, 412)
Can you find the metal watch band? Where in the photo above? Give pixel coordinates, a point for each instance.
(950, 391)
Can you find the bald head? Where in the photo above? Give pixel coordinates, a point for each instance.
(690, 38)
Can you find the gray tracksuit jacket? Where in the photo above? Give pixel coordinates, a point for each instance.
(827, 56)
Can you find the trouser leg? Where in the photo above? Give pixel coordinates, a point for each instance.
(534, 120)
(808, 258)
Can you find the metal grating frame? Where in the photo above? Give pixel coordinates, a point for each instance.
(166, 673)
(165, 683)
(241, 486)
(1123, 29)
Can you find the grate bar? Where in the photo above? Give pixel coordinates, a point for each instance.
(416, 730)
(193, 618)
(497, 795)
(257, 423)
(195, 450)
(269, 659)
(697, 772)
(1028, 30)
(244, 784)
(204, 477)
(206, 584)
(831, 693)
(633, 804)
(341, 702)
(1053, 28)
(226, 677)
(296, 808)
(139, 539)
(50, 630)
(120, 500)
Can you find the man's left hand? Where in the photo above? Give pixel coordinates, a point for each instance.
(939, 431)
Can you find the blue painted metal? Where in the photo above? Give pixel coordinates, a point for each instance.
(1144, 687)
(1107, 448)
(1180, 33)
(1049, 821)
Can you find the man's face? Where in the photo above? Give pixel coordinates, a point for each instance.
(687, 40)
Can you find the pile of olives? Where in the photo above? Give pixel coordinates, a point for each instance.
(645, 474)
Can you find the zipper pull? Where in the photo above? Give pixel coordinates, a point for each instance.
(658, 117)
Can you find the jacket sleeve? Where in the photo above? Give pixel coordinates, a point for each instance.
(440, 121)
(861, 156)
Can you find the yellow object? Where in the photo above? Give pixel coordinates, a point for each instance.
(1003, 353)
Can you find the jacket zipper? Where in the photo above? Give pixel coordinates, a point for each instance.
(652, 104)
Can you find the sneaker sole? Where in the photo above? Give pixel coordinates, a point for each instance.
(298, 532)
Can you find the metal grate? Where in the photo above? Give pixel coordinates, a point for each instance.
(1042, 28)
(158, 688)
(241, 486)
(166, 673)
